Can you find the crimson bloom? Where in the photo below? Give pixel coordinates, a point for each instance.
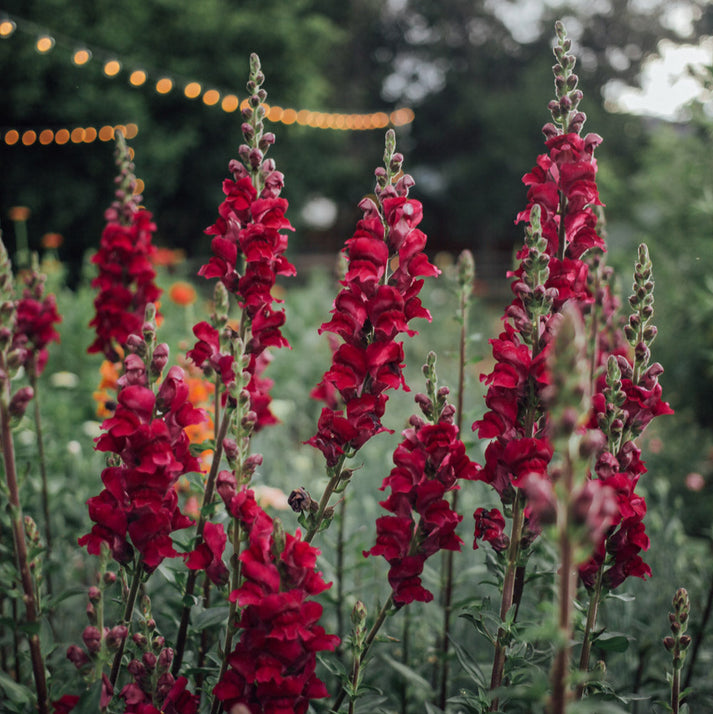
(428, 464)
(138, 508)
(375, 305)
(272, 668)
(125, 281)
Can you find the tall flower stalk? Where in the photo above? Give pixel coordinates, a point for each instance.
(561, 228)
(12, 406)
(375, 305)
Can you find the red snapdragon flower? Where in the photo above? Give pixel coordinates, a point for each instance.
(34, 328)
(272, 668)
(126, 276)
(428, 463)
(138, 508)
(374, 306)
(248, 255)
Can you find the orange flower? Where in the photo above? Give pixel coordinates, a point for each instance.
(109, 372)
(19, 213)
(167, 257)
(182, 293)
(52, 240)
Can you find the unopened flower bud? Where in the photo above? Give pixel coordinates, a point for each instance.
(159, 359)
(109, 577)
(149, 660)
(358, 614)
(136, 669)
(116, 636)
(158, 642)
(91, 613)
(92, 638)
(164, 684)
(94, 594)
(135, 345)
(139, 639)
(300, 500)
(20, 400)
(165, 658)
(77, 656)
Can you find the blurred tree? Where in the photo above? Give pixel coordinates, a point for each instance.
(477, 74)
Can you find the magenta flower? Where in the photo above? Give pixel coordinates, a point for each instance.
(138, 508)
(208, 555)
(272, 668)
(374, 306)
(126, 276)
(428, 463)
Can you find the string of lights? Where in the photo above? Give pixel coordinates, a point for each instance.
(167, 82)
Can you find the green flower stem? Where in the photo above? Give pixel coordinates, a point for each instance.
(235, 571)
(34, 383)
(380, 618)
(126, 620)
(340, 569)
(18, 533)
(698, 639)
(501, 645)
(324, 501)
(193, 574)
(592, 613)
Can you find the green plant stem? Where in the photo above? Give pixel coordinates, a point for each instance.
(126, 620)
(371, 636)
(203, 647)
(235, 572)
(18, 533)
(592, 612)
(448, 557)
(340, 570)
(507, 601)
(34, 382)
(675, 690)
(324, 501)
(193, 574)
(698, 639)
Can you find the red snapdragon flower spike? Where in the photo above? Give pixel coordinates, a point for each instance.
(138, 508)
(490, 527)
(34, 326)
(65, 703)
(428, 463)
(272, 668)
(126, 278)
(208, 555)
(374, 306)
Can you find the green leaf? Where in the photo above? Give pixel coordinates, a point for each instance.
(209, 618)
(407, 673)
(610, 642)
(16, 693)
(198, 449)
(468, 663)
(89, 701)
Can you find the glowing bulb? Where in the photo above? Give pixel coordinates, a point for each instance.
(192, 90)
(81, 57)
(77, 135)
(90, 135)
(164, 85)
(106, 133)
(211, 97)
(137, 77)
(112, 68)
(12, 137)
(46, 137)
(230, 103)
(7, 27)
(44, 43)
(61, 137)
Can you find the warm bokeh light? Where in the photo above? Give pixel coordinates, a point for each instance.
(211, 97)
(90, 134)
(77, 135)
(81, 57)
(106, 133)
(139, 188)
(12, 137)
(29, 137)
(275, 113)
(192, 90)
(46, 137)
(44, 43)
(7, 27)
(182, 293)
(137, 77)
(131, 130)
(164, 85)
(52, 241)
(230, 103)
(289, 116)
(112, 68)
(61, 137)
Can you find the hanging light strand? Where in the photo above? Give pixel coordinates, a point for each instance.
(166, 82)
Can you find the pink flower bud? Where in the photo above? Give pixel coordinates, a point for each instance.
(116, 636)
(20, 400)
(77, 656)
(149, 660)
(165, 658)
(92, 638)
(139, 639)
(94, 594)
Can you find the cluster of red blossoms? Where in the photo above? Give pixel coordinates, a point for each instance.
(34, 324)
(374, 306)
(248, 228)
(126, 276)
(272, 668)
(428, 463)
(138, 507)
